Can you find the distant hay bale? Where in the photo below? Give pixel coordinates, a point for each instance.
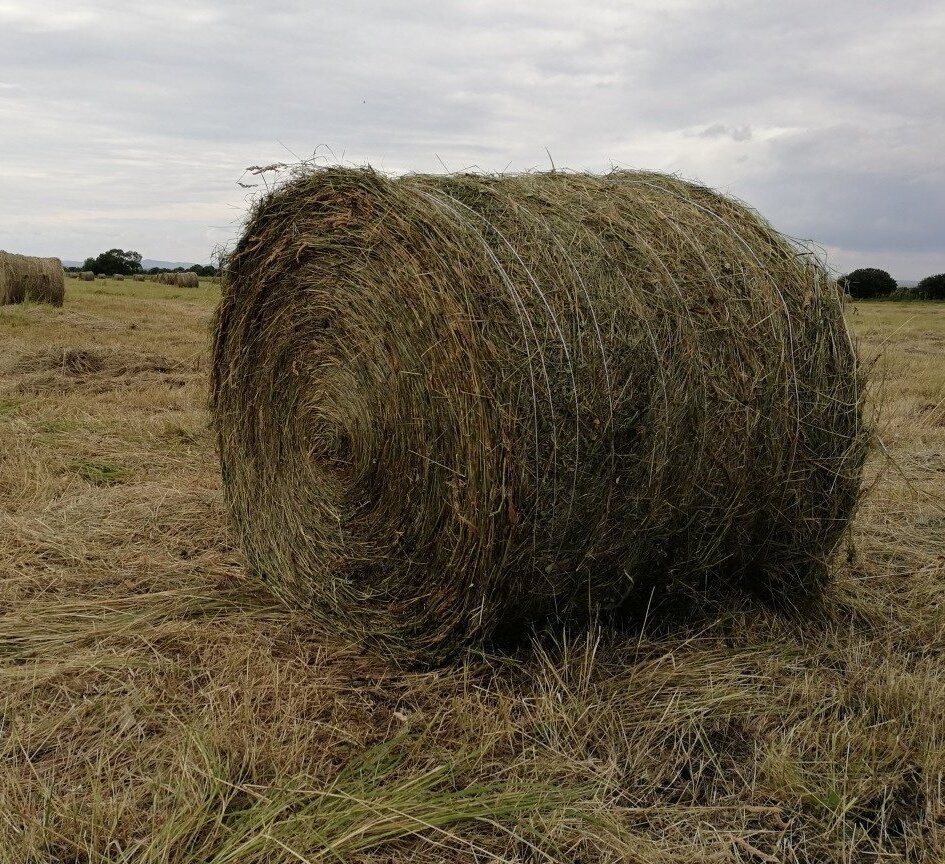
(139, 277)
(187, 279)
(448, 406)
(26, 278)
(87, 276)
(119, 277)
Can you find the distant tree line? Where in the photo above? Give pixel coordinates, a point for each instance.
(117, 262)
(871, 283)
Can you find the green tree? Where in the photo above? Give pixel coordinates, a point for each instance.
(931, 288)
(113, 262)
(868, 283)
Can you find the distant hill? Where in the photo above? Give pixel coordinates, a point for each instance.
(146, 264)
(907, 283)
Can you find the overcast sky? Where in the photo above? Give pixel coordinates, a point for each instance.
(129, 124)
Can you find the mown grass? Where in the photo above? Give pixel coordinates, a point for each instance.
(156, 705)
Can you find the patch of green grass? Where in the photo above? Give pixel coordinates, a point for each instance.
(178, 434)
(56, 427)
(374, 802)
(100, 473)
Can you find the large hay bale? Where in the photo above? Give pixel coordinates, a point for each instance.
(27, 278)
(87, 276)
(12, 284)
(450, 405)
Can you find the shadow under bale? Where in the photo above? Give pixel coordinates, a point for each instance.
(450, 406)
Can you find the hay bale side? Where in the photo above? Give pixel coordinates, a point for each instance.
(28, 278)
(12, 286)
(447, 406)
(47, 282)
(139, 277)
(87, 276)
(119, 277)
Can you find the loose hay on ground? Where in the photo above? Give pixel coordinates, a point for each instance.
(450, 406)
(156, 709)
(65, 368)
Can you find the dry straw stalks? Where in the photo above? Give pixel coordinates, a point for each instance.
(447, 406)
(35, 280)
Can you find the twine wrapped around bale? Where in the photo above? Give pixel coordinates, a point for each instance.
(36, 280)
(447, 406)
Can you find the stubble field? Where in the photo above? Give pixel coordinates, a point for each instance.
(158, 706)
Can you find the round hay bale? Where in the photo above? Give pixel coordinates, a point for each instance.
(87, 276)
(12, 283)
(448, 406)
(119, 277)
(27, 278)
(139, 277)
(188, 280)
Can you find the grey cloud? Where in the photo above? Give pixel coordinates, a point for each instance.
(129, 124)
(720, 130)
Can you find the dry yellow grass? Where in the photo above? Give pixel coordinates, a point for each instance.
(156, 706)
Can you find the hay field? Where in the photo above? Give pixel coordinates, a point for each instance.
(156, 706)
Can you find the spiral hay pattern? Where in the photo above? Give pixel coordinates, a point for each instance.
(447, 406)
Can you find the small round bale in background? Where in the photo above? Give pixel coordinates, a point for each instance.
(188, 279)
(87, 276)
(139, 277)
(32, 279)
(119, 277)
(448, 406)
